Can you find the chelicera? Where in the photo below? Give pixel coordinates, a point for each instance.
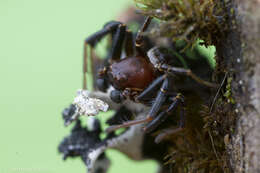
(140, 75)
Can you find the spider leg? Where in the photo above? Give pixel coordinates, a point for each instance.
(118, 30)
(170, 131)
(167, 132)
(150, 89)
(140, 37)
(187, 72)
(109, 27)
(127, 124)
(156, 56)
(115, 54)
(177, 100)
(117, 42)
(92, 40)
(117, 96)
(160, 99)
(129, 49)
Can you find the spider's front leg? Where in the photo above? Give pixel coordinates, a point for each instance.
(177, 100)
(159, 101)
(157, 58)
(92, 40)
(118, 32)
(121, 36)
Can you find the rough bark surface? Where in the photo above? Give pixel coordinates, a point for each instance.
(244, 59)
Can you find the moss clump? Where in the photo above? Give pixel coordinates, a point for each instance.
(187, 20)
(201, 147)
(193, 153)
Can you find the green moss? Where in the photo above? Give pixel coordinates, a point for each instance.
(200, 148)
(187, 20)
(228, 93)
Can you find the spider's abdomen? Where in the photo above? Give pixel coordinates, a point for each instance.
(131, 72)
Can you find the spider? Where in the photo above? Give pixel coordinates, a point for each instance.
(139, 75)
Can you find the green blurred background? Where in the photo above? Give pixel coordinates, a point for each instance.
(41, 44)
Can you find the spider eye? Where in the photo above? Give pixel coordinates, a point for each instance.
(116, 96)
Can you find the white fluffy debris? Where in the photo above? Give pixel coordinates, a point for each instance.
(88, 106)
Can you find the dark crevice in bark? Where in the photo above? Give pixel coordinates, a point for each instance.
(237, 54)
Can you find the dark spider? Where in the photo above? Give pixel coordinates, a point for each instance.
(140, 76)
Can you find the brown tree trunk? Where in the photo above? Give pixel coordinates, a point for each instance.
(240, 53)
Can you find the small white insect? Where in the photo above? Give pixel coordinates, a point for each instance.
(85, 105)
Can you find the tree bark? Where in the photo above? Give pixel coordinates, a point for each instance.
(240, 52)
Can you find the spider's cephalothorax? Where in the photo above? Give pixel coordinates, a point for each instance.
(131, 72)
(140, 75)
